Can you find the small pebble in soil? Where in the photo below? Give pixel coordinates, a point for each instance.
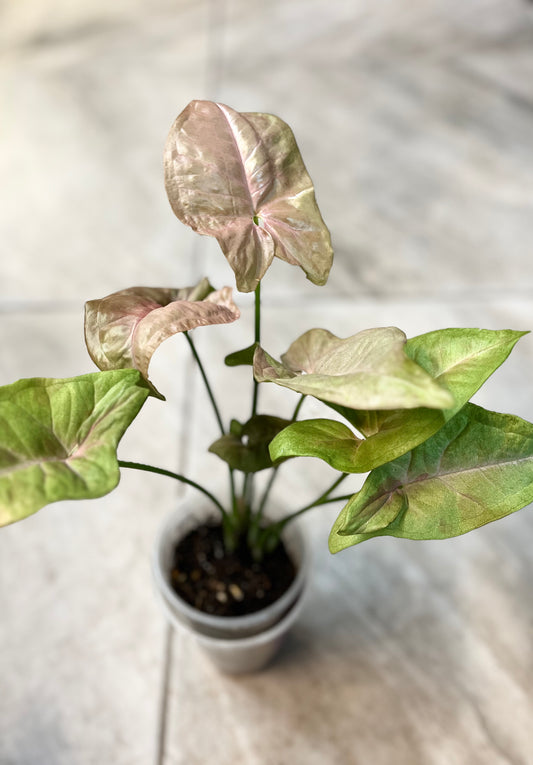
(235, 591)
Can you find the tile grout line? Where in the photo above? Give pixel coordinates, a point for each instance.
(7, 308)
(40, 306)
(186, 415)
(161, 733)
(216, 11)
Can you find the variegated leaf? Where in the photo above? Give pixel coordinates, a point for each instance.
(460, 360)
(240, 178)
(369, 370)
(124, 329)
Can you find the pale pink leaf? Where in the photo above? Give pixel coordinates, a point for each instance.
(124, 329)
(240, 178)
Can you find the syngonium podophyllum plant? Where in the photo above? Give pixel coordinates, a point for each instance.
(438, 465)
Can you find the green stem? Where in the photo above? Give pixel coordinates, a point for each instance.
(298, 407)
(246, 485)
(170, 474)
(269, 537)
(249, 478)
(277, 467)
(215, 409)
(267, 492)
(257, 340)
(206, 381)
(322, 500)
(325, 501)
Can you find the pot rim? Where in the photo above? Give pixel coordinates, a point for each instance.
(179, 522)
(250, 641)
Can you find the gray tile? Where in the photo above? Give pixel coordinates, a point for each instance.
(88, 98)
(422, 167)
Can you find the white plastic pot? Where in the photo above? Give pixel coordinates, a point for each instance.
(236, 644)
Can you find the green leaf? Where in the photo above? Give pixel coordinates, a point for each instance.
(235, 428)
(240, 178)
(244, 357)
(369, 370)
(476, 469)
(58, 438)
(124, 329)
(460, 360)
(246, 449)
(328, 440)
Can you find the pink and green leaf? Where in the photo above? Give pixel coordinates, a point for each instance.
(240, 178)
(369, 370)
(459, 360)
(124, 329)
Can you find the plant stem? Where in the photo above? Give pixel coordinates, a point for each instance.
(170, 474)
(325, 501)
(246, 486)
(249, 478)
(269, 537)
(267, 492)
(257, 340)
(206, 381)
(298, 407)
(322, 500)
(215, 409)
(277, 467)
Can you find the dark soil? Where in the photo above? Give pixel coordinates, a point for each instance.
(227, 584)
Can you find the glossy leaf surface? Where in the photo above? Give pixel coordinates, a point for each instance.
(460, 360)
(124, 329)
(246, 446)
(369, 370)
(58, 438)
(240, 178)
(476, 469)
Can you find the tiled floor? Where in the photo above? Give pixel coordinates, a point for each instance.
(415, 120)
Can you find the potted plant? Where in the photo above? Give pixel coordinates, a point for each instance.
(438, 466)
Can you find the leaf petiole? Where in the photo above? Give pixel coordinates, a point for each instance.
(176, 476)
(215, 409)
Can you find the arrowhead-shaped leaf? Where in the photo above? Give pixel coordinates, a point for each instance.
(245, 448)
(369, 370)
(124, 329)
(476, 469)
(460, 360)
(58, 438)
(240, 178)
